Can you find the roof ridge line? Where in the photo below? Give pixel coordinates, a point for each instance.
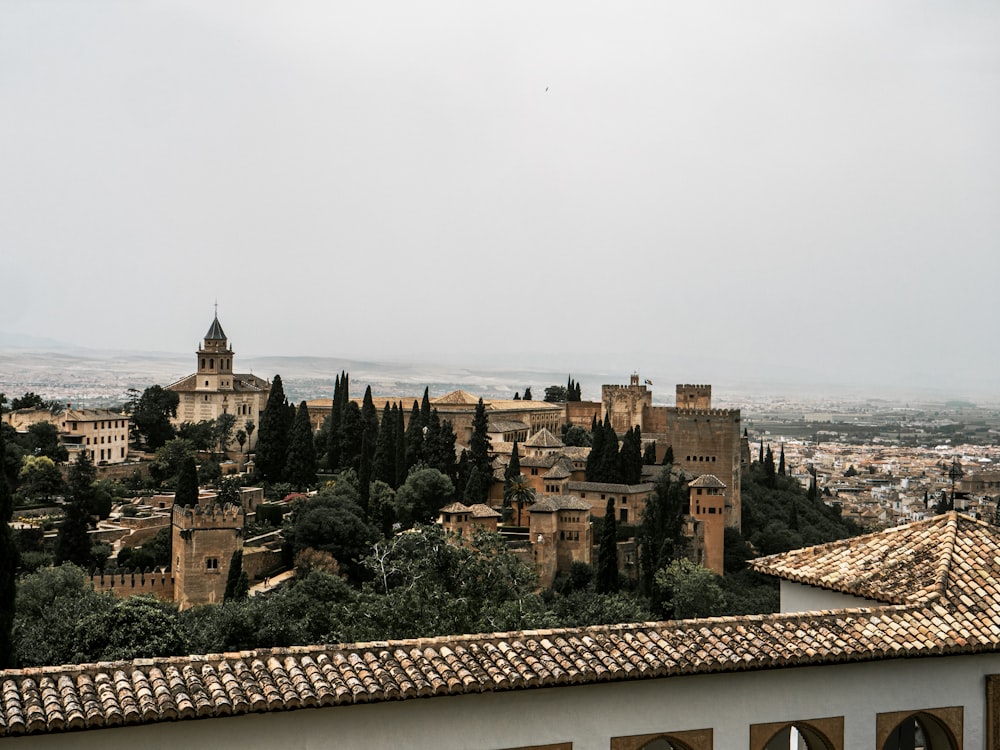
(947, 556)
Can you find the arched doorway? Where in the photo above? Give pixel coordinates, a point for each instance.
(920, 731)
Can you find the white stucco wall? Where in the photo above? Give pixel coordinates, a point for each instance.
(799, 597)
(588, 716)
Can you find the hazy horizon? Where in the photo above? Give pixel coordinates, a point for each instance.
(706, 191)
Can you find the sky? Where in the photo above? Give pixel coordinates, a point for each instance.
(710, 189)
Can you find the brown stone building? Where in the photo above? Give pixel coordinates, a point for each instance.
(203, 541)
(216, 389)
(703, 439)
(560, 533)
(101, 432)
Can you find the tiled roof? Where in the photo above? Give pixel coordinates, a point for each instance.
(457, 397)
(707, 480)
(544, 439)
(623, 489)
(481, 510)
(552, 503)
(506, 425)
(242, 382)
(951, 589)
(455, 508)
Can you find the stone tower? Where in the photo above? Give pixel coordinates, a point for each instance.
(215, 360)
(203, 542)
(626, 405)
(215, 389)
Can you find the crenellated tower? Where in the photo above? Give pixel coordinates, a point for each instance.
(203, 541)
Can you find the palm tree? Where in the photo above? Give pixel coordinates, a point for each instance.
(249, 427)
(518, 492)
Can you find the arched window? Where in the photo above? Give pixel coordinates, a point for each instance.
(663, 743)
(696, 739)
(798, 737)
(810, 734)
(211, 364)
(920, 730)
(202, 363)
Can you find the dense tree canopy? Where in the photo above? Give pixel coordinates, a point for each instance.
(152, 414)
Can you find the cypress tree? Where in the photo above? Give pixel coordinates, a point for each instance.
(352, 430)
(781, 462)
(300, 468)
(517, 396)
(384, 460)
(439, 446)
(335, 420)
(8, 566)
(414, 438)
(661, 533)
(514, 465)
(272, 434)
(595, 459)
(527, 394)
(649, 454)
(479, 445)
(769, 472)
(606, 581)
(186, 492)
(399, 432)
(668, 456)
(631, 456)
(73, 542)
(611, 469)
(425, 406)
(477, 487)
(237, 583)
(364, 471)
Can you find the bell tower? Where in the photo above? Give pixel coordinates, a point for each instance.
(215, 360)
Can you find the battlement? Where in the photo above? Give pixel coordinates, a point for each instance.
(621, 388)
(694, 396)
(710, 412)
(213, 517)
(125, 583)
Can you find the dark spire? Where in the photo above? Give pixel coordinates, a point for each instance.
(215, 333)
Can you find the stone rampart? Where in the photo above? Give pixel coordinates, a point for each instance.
(125, 583)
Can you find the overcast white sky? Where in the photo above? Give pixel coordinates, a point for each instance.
(711, 187)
